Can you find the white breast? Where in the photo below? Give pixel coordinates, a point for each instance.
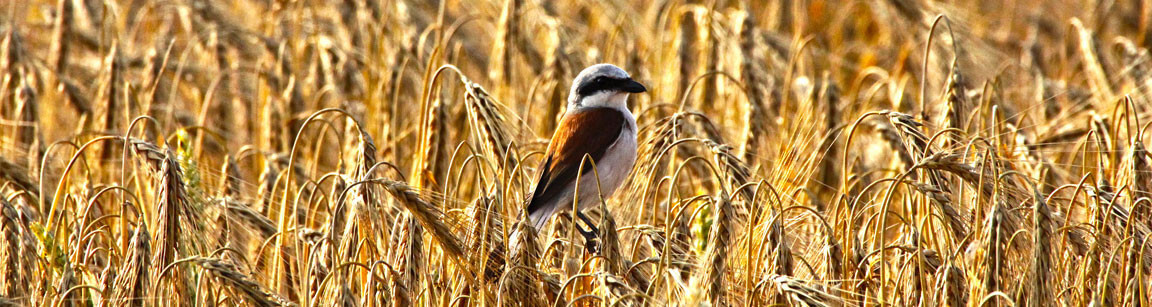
(613, 168)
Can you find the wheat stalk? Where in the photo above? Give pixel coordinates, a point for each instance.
(132, 282)
(13, 282)
(61, 36)
(521, 284)
(713, 265)
(240, 284)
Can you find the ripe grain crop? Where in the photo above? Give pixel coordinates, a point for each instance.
(380, 152)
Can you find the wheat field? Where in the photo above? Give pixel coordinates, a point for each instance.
(379, 153)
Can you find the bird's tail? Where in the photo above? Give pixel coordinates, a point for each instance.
(539, 217)
(535, 218)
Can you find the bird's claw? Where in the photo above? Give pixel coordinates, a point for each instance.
(591, 236)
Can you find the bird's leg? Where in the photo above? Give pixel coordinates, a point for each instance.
(588, 221)
(590, 236)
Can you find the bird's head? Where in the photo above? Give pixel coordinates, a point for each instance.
(602, 85)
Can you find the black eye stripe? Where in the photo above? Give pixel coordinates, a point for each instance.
(600, 84)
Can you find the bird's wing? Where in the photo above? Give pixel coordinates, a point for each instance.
(590, 132)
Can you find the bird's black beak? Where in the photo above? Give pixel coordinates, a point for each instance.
(632, 86)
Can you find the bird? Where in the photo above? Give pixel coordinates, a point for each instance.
(596, 124)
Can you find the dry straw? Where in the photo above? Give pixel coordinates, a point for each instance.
(789, 153)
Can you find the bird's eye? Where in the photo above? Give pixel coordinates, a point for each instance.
(600, 79)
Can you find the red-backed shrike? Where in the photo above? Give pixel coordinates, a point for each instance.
(596, 123)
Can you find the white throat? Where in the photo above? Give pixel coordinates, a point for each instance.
(604, 99)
